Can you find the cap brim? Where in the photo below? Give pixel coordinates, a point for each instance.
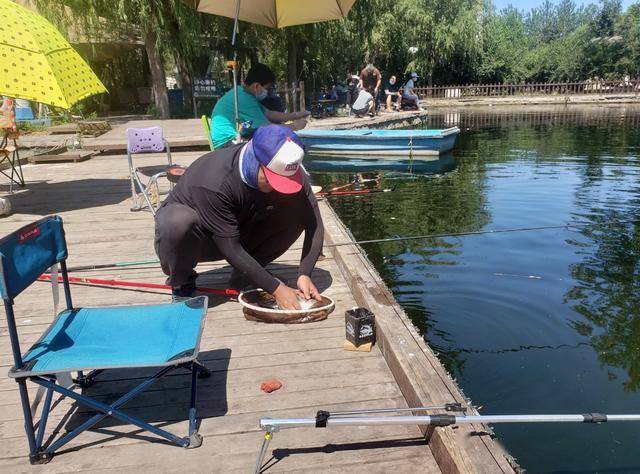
(284, 184)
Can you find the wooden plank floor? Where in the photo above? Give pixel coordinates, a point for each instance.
(93, 199)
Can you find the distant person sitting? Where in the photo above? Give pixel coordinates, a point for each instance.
(392, 91)
(364, 104)
(408, 94)
(223, 118)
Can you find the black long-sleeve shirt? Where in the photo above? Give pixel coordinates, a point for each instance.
(230, 211)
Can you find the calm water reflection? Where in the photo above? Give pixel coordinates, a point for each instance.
(535, 322)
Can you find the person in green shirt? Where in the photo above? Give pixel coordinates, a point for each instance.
(258, 80)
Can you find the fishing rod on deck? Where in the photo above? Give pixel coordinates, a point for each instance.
(227, 292)
(325, 419)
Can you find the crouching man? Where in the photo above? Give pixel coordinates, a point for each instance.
(246, 204)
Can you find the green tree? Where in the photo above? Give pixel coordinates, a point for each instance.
(441, 30)
(629, 26)
(504, 44)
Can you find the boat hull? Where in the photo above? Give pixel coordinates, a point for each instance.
(356, 164)
(425, 144)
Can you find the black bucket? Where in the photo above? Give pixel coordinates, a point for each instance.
(360, 326)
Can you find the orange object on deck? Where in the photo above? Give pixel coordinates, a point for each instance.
(270, 385)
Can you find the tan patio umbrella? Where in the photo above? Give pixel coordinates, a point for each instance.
(273, 13)
(276, 13)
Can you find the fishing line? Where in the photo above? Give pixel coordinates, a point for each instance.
(124, 265)
(461, 234)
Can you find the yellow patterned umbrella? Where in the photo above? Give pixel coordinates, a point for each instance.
(38, 64)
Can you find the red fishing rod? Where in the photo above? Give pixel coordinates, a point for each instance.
(228, 292)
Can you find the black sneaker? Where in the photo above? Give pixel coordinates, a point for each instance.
(183, 292)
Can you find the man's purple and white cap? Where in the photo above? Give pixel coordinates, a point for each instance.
(279, 151)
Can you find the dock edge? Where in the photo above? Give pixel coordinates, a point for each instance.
(421, 377)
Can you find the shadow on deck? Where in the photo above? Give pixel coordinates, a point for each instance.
(166, 402)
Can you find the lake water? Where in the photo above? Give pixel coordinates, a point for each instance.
(544, 321)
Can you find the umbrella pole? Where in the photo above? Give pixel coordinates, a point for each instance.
(234, 70)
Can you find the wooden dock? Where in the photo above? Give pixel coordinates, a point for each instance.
(93, 198)
(189, 133)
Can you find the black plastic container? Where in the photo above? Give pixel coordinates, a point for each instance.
(360, 325)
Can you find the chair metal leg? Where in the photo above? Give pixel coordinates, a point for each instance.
(195, 439)
(108, 410)
(144, 194)
(154, 182)
(135, 206)
(42, 424)
(18, 170)
(14, 171)
(166, 144)
(28, 422)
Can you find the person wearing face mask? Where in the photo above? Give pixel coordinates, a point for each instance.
(247, 203)
(392, 91)
(255, 89)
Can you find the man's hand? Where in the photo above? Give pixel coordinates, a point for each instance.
(302, 114)
(298, 124)
(308, 289)
(287, 298)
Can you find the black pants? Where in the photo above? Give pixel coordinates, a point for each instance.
(181, 242)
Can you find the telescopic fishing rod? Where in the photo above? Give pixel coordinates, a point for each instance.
(324, 419)
(99, 266)
(228, 292)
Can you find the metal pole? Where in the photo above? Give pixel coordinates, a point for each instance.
(234, 71)
(263, 451)
(442, 420)
(235, 24)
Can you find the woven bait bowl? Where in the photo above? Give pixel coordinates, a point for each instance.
(175, 172)
(259, 305)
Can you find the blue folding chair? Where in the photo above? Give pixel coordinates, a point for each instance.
(88, 341)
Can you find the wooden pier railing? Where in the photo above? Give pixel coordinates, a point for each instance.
(623, 86)
(293, 96)
(477, 118)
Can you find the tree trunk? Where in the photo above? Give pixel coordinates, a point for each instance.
(185, 80)
(158, 79)
(177, 47)
(430, 72)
